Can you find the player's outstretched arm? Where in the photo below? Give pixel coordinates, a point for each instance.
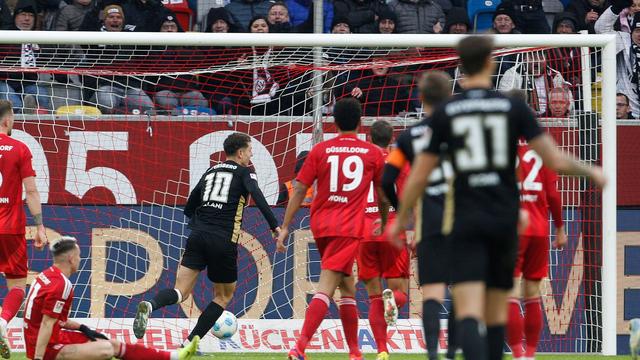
(418, 180)
(563, 163)
(299, 193)
(35, 208)
(251, 184)
(90, 333)
(44, 335)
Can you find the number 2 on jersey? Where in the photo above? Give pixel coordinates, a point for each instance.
(474, 128)
(530, 183)
(354, 176)
(217, 186)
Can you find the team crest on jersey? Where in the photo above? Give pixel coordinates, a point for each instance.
(254, 176)
(58, 307)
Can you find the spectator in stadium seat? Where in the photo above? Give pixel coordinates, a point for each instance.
(144, 14)
(457, 21)
(559, 103)
(6, 20)
(341, 25)
(587, 12)
(622, 107)
(111, 17)
(567, 59)
(387, 22)
(301, 14)
(504, 21)
(626, 16)
(218, 21)
(417, 16)
(242, 11)
(170, 23)
(70, 17)
(533, 75)
(628, 53)
(380, 94)
(278, 17)
(528, 15)
(362, 14)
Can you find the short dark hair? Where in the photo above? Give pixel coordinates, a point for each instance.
(235, 142)
(626, 98)
(256, 18)
(435, 87)
(381, 133)
(347, 113)
(474, 51)
(5, 108)
(63, 245)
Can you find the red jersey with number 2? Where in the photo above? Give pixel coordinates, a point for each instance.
(15, 165)
(344, 168)
(538, 192)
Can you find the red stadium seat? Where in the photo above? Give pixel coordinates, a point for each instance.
(182, 10)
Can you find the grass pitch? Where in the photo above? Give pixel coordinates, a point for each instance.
(323, 356)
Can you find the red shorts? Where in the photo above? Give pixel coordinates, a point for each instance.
(533, 258)
(13, 256)
(382, 259)
(66, 337)
(338, 253)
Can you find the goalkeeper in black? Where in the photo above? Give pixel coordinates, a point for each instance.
(215, 208)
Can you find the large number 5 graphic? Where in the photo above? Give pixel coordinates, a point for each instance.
(355, 174)
(474, 128)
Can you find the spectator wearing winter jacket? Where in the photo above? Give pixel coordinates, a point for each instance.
(278, 17)
(628, 52)
(380, 94)
(504, 20)
(587, 12)
(622, 107)
(144, 14)
(242, 11)
(626, 16)
(566, 60)
(362, 14)
(301, 13)
(387, 22)
(457, 21)
(6, 20)
(218, 21)
(417, 16)
(71, 16)
(528, 16)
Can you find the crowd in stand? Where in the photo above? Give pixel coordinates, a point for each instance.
(551, 77)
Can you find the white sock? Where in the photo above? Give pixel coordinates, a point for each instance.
(3, 323)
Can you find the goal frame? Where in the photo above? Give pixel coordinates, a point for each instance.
(609, 143)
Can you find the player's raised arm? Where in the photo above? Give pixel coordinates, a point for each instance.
(250, 181)
(35, 207)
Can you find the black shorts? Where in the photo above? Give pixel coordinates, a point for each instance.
(433, 259)
(484, 251)
(213, 251)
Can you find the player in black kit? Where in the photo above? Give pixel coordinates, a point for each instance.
(215, 208)
(433, 269)
(479, 129)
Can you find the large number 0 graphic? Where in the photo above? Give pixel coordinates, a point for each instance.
(474, 129)
(354, 175)
(530, 183)
(217, 186)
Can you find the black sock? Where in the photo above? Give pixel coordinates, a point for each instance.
(164, 298)
(472, 339)
(452, 340)
(206, 320)
(431, 324)
(495, 342)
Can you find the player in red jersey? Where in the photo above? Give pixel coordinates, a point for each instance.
(344, 168)
(15, 172)
(50, 335)
(378, 258)
(538, 196)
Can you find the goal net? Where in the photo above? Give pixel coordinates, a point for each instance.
(122, 128)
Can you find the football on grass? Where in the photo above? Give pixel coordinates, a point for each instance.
(225, 326)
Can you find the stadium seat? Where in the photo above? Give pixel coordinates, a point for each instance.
(182, 10)
(481, 13)
(78, 110)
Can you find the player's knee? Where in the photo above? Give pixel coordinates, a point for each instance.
(104, 349)
(373, 286)
(531, 289)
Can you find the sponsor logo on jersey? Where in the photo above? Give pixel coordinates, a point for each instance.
(6, 147)
(58, 307)
(346, 149)
(484, 179)
(4, 200)
(371, 210)
(478, 105)
(45, 280)
(339, 199)
(253, 176)
(528, 197)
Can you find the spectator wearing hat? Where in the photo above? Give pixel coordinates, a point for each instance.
(111, 17)
(528, 16)
(169, 23)
(503, 20)
(457, 21)
(628, 52)
(362, 14)
(242, 11)
(341, 25)
(278, 18)
(301, 15)
(567, 60)
(417, 16)
(387, 22)
(71, 16)
(218, 21)
(626, 16)
(587, 12)
(6, 20)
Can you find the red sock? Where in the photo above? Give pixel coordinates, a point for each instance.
(376, 320)
(11, 303)
(515, 328)
(312, 319)
(136, 351)
(400, 297)
(532, 325)
(349, 318)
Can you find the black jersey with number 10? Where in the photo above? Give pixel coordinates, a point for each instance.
(479, 129)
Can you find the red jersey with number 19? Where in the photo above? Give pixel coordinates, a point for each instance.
(538, 192)
(15, 165)
(344, 168)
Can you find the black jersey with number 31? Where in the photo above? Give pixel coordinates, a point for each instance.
(217, 203)
(479, 130)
